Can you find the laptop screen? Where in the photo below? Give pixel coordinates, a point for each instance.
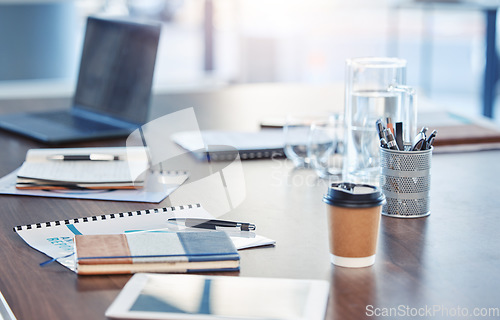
(116, 68)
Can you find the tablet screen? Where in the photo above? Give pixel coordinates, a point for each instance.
(191, 296)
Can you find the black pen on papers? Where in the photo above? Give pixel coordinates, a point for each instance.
(84, 157)
(211, 223)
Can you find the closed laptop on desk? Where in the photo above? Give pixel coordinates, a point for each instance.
(113, 89)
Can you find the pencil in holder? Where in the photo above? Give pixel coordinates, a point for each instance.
(405, 180)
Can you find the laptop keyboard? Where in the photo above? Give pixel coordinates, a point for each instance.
(72, 121)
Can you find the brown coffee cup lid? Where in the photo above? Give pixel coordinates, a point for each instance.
(351, 195)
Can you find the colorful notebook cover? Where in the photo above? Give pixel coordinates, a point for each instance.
(155, 252)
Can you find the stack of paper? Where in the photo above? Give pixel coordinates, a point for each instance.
(83, 168)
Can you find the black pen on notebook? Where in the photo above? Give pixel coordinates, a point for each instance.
(84, 157)
(211, 223)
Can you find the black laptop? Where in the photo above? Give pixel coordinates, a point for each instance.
(113, 89)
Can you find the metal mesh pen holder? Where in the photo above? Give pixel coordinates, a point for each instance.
(405, 180)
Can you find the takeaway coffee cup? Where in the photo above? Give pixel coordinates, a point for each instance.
(354, 212)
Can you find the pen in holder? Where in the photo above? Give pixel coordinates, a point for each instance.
(405, 181)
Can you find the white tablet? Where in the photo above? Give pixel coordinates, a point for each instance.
(181, 296)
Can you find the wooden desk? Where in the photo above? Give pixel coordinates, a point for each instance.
(447, 260)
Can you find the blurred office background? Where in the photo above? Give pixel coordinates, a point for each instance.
(212, 43)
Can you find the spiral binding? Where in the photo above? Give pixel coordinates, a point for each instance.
(102, 217)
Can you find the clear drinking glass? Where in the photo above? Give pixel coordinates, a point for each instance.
(325, 147)
(375, 89)
(296, 133)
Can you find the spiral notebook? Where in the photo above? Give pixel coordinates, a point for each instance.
(55, 238)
